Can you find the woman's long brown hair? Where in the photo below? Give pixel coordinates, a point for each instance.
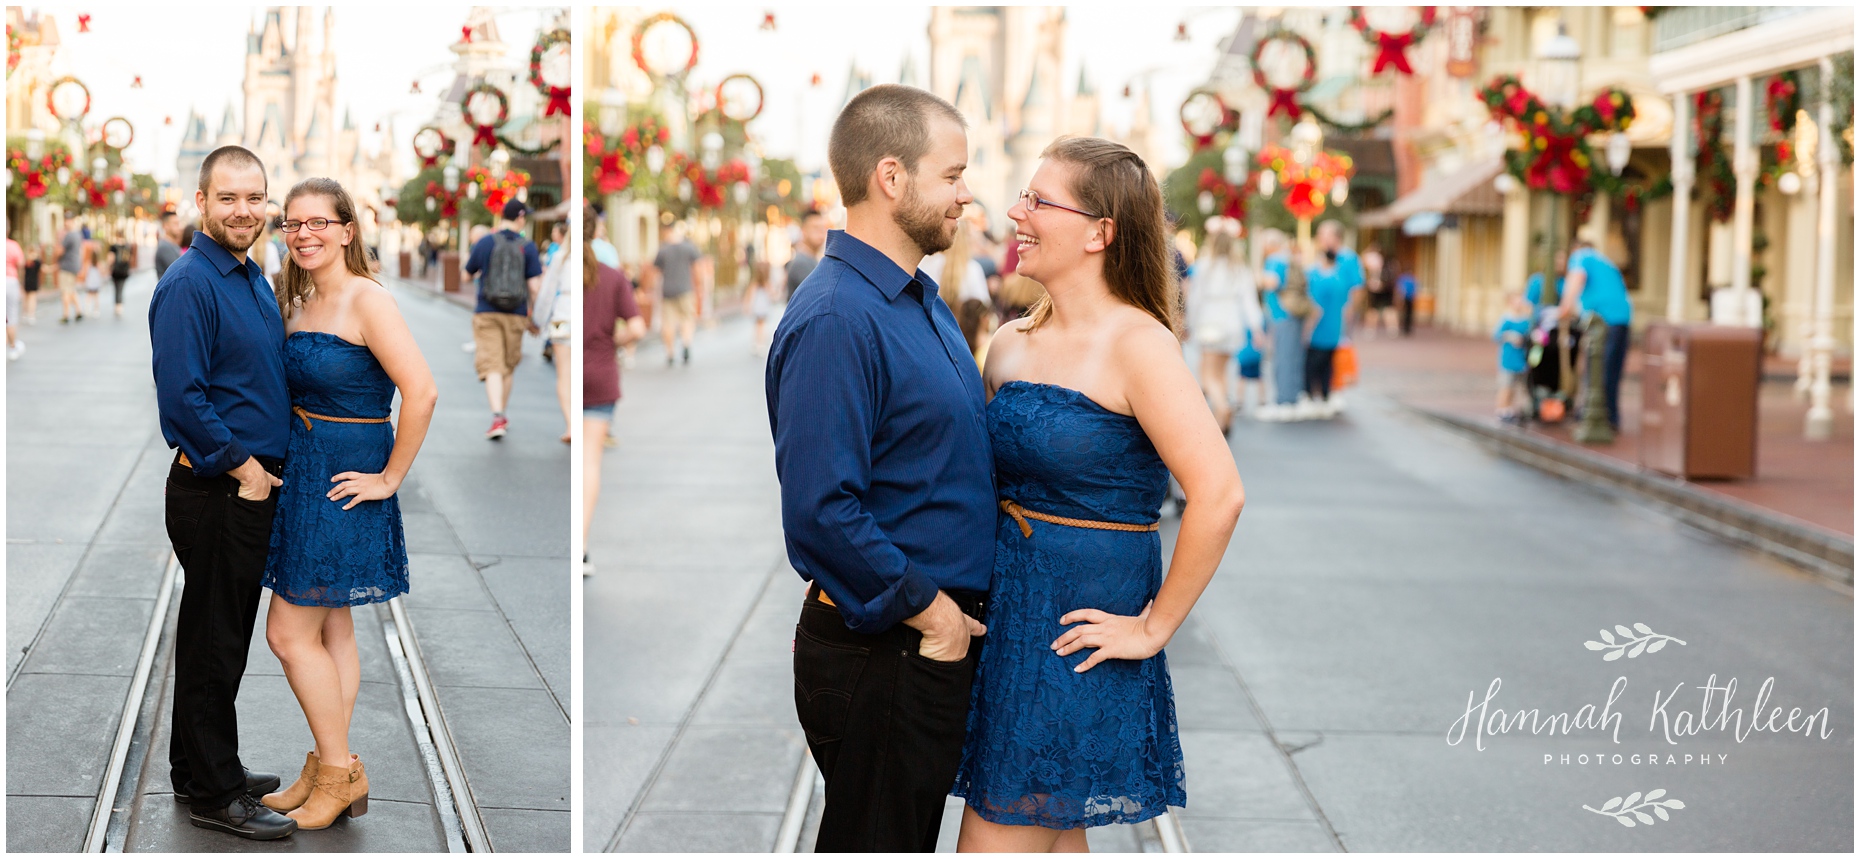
(589, 265)
(294, 284)
(1138, 264)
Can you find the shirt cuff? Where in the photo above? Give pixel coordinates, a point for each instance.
(223, 460)
(907, 597)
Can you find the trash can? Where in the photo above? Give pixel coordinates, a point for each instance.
(450, 275)
(1699, 400)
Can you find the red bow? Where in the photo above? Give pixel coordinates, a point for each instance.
(768, 21)
(416, 88)
(465, 33)
(1556, 167)
(558, 101)
(1393, 50)
(1303, 200)
(613, 178)
(487, 135)
(137, 83)
(84, 22)
(1285, 100)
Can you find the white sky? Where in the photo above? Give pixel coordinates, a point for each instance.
(196, 57)
(1116, 42)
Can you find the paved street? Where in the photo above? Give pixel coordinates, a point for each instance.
(86, 550)
(1384, 570)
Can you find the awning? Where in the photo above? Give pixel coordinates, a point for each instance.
(1467, 191)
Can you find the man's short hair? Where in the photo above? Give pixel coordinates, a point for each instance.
(885, 121)
(168, 214)
(233, 156)
(811, 214)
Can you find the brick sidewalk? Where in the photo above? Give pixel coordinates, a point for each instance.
(1812, 482)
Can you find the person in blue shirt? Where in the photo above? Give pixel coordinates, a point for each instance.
(218, 357)
(497, 329)
(1287, 332)
(1332, 280)
(1512, 336)
(1534, 285)
(1596, 286)
(887, 480)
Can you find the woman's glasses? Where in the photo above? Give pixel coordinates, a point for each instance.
(1033, 201)
(316, 225)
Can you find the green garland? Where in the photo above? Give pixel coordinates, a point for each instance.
(1350, 127)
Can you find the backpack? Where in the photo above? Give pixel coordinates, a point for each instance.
(1294, 299)
(505, 287)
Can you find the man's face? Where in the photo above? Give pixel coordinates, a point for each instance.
(1329, 237)
(935, 195)
(232, 209)
(814, 231)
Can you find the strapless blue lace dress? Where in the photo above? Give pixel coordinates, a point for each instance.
(321, 554)
(1047, 746)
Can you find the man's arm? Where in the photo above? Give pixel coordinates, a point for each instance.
(823, 412)
(182, 325)
(1573, 282)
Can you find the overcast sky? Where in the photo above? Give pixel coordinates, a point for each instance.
(196, 57)
(1115, 42)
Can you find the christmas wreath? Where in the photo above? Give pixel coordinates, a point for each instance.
(51, 102)
(1556, 153)
(1392, 48)
(1284, 99)
(639, 40)
(1204, 135)
(108, 131)
(429, 143)
(558, 95)
(486, 134)
(721, 102)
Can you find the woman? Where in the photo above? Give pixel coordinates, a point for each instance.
(1281, 299)
(337, 540)
(1072, 721)
(119, 272)
(35, 268)
(1223, 311)
(92, 275)
(610, 319)
(550, 313)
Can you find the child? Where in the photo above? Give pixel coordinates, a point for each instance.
(759, 306)
(1512, 336)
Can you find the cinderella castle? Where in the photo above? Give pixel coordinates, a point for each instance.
(290, 116)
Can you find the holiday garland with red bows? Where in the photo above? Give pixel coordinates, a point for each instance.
(611, 165)
(447, 201)
(1284, 99)
(707, 189)
(34, 178)
(1229, 198)
(1782, 97)
(1556, 154)
(1306, 185)
(497, 191)
(97, 194)
(558, 95)
(1392, 48)
(13, 42)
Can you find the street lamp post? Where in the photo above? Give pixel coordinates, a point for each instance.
(450, 276)
(1559, 68)
(35, 147)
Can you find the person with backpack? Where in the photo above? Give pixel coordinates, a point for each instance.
(509, 271)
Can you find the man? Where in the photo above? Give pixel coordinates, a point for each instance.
(676, 268)
(1333, 280)
(887, 481)
(168, 245)
(218, 344)
(511, 273)
(70, 263)
(807, 253)
(1595, 286)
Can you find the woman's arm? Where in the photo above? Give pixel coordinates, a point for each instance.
(385, 334)
(1168, 402)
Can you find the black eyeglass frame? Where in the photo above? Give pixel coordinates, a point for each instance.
(285, 226)
(1027, 194)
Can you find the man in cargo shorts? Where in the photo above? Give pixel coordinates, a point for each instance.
(509, 272)
(677, 267)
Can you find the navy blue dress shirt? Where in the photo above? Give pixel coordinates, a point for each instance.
(887, 476)
(219, 360)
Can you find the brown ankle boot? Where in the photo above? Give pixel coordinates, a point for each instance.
(291, 797)
(358, 790)
(335, 795)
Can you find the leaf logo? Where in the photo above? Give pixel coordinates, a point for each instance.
(1634, 642)
(1625, 811)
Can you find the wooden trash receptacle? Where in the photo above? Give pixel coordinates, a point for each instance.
(1699, 400)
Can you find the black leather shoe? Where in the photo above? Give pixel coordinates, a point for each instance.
(256, 784)
(245, 817)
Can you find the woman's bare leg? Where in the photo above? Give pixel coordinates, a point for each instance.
(1214, 385)
(593, 432)
(1071, 841)
(339, 640)
(295, 634)
(980, 836)
(563, 375)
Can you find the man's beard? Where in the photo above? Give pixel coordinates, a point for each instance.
(217, 230)
(921, 223)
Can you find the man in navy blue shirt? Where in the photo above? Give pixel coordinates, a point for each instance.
(887, 480)
(218, 342)
(509, 271)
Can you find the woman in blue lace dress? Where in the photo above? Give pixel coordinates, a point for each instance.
(337, 540)
(1072, 722)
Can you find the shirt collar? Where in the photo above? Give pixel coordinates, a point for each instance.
(875, 267)
(221, 258)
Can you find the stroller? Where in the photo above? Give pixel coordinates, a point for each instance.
(1544, 378)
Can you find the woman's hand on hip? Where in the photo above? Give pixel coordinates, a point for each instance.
(1114, 636)
(363, 487)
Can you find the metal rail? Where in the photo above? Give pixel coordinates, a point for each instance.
(132, 708)
(453, 793)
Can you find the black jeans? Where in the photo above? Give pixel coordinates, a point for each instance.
(1614, 357)
(1317, 372)
(222, 541)
(885, 725)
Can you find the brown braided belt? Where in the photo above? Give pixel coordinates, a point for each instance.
(1022, 514)
(299, 411)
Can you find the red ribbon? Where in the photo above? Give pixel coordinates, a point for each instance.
(428, 161)
(84, 23)
(487, 135)
(1393, 50)
(558, 101)
(1285, 100)
(465, 33)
